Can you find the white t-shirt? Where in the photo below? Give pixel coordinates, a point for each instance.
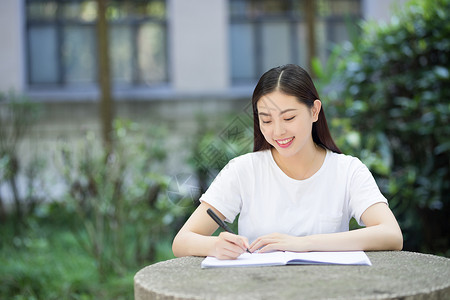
(270, 201)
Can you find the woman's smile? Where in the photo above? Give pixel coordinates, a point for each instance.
(284, 143)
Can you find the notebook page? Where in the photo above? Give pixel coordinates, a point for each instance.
(247, 259)
(339, 257)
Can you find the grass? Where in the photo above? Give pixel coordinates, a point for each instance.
(46, 262)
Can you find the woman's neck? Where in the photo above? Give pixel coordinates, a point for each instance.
(303, 164)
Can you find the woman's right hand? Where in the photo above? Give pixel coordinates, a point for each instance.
(195, 237)
(230, 246)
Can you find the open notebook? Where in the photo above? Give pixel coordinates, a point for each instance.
(280, 258)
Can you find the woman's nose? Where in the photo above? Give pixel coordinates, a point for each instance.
(279, 129)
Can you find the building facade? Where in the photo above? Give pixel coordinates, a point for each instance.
(163, 49)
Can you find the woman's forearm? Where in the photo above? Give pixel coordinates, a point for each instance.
(378, 237)
(188, 243)
(225, 246)
(382, 233)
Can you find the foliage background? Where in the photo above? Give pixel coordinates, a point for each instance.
(390, 106)
(386, 96)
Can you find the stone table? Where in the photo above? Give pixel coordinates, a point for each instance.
(393, 275)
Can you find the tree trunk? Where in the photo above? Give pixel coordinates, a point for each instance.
(106, 102)
(310, 12)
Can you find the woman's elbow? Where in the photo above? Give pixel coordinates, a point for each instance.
(399, 242)
(176, 247)
(396, 240)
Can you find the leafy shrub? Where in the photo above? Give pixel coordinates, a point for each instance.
(17, 115)
(120, 197)
(214, 146)
(391, 93)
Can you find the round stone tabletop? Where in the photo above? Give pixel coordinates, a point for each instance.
(393, 275)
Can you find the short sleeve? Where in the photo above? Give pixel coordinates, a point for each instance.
(224, 193)
(364, 191)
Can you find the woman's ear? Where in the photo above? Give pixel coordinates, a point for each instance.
(317, 106)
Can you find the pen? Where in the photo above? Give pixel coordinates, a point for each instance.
(221, 223)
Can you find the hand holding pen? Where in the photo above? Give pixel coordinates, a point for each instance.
(222, 224)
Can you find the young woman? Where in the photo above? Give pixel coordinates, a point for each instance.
(296, 191)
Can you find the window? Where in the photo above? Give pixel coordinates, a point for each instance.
(336, 21)
(62, 42)
(267, 33)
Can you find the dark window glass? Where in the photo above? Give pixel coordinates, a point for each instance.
(267, 33)
(62, 42)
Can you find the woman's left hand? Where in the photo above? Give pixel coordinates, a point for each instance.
(276, 242)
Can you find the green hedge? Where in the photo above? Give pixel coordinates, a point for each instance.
(391, 95)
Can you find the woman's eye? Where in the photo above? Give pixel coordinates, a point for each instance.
(266, 122)
(289, 119)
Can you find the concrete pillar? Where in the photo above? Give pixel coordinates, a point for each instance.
(198, 31)
(12, 36)
(380, 10)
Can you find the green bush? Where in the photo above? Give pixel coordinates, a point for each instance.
(120, 197)
(390, 94)
(17, 115)
(214, 146)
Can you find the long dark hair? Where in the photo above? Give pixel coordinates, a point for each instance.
(294, 81)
